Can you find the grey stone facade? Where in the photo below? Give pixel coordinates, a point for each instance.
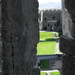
(20, 35)
(50, 20)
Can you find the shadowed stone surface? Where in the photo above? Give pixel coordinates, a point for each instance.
(35, 71)
(68, 65)
(73, 30)
(19, 36)
(67, 45)
(70, 4)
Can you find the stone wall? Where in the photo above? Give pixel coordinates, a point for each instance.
(20, 35)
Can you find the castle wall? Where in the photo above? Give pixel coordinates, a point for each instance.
(49, 18)
(50, 14)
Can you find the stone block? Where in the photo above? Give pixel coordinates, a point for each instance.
(35, 71)
(68, 65)
(67, 45)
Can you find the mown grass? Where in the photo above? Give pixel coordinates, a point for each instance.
(45, 64)
(55, 73)
(43, 73)
(47, 46)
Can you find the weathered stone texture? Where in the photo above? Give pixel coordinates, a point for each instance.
(68, 65)
(73, 30)
(66, 21)
(35, 71)
(67, 45)
(70, 4)
(19, 36)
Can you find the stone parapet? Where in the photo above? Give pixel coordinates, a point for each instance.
(67, 45)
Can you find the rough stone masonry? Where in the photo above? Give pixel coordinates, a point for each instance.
(20, 35)
(67, 44)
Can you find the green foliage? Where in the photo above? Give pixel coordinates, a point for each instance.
(43, 73)
(55, 73)
(45, 64)
(59, 34)
(47, 46)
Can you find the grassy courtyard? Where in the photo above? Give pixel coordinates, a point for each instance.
(47, 45)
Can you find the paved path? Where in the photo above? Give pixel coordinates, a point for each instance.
(57, 42)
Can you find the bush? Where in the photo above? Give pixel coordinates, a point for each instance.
(45, 64)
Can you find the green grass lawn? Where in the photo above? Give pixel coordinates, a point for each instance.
(43, 73)
(47, 46)
(55, 73)
(45, 64)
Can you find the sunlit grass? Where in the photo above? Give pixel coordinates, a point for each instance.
(55, 73)
(43, 73)
(47, 46)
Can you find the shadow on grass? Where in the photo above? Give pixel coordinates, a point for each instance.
(48, 40)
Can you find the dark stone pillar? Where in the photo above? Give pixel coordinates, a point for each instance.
(20, 35)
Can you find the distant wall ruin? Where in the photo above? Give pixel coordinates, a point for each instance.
(50, 20)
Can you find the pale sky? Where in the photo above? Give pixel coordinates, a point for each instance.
(49, 4)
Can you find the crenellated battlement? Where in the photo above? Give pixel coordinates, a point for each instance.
(50, 10)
